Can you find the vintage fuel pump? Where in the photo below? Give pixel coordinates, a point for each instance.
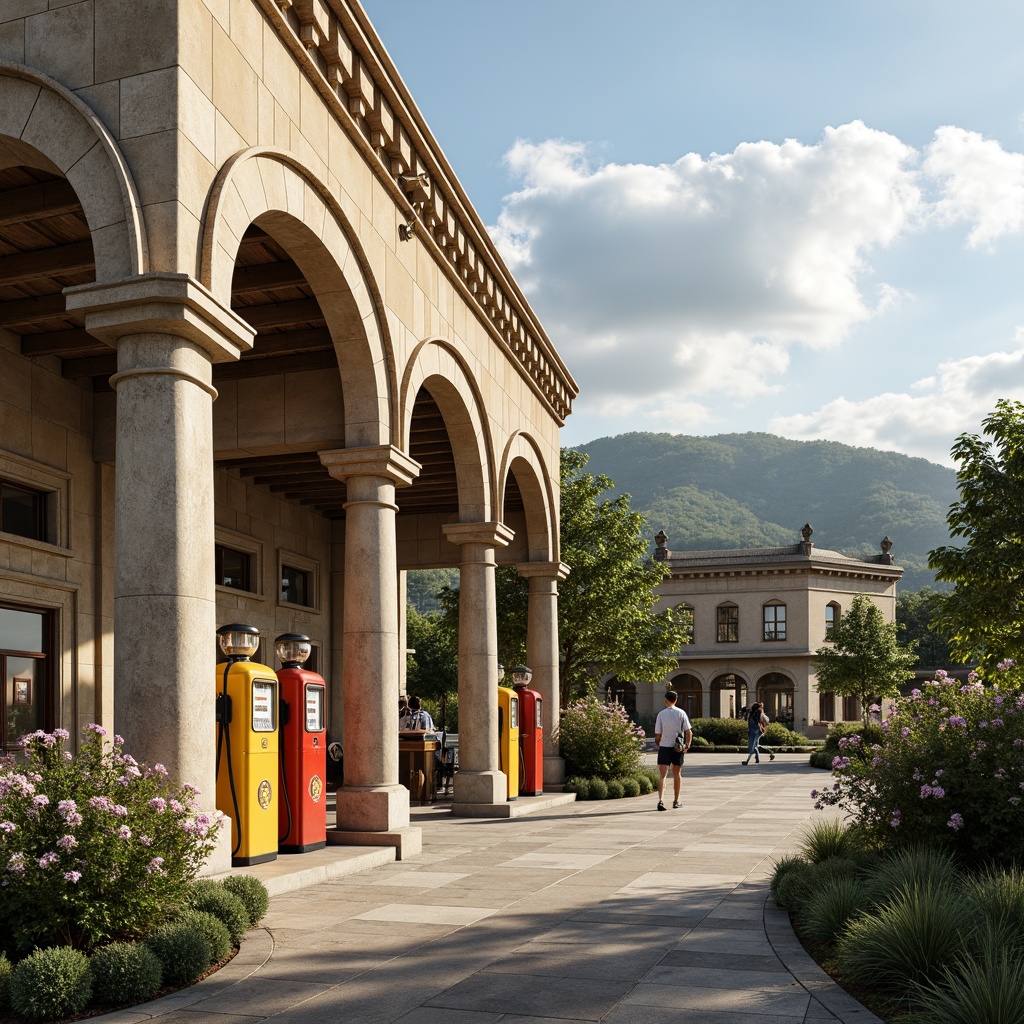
(508, 738)
(302, 809)
(531, 733)
(247, 746)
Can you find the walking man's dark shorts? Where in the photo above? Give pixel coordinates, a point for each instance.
(669, 755)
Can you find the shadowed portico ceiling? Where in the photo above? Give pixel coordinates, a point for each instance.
(45, 246)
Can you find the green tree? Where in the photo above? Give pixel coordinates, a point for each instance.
(432, 670)
(865, 660)
(984, 614)
(914, 613)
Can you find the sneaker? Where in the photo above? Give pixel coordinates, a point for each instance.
(661, 806)
(744, 763)
(675, 804)
(771, 757)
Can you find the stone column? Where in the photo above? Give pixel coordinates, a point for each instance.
(168, 330)
(542, 655)
(373, 809)
(479, 779)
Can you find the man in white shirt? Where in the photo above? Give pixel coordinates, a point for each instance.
(672, 722)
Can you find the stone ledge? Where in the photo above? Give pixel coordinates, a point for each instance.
(405, 842)
(513, 808)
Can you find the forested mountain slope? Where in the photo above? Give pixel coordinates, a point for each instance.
(753, 490)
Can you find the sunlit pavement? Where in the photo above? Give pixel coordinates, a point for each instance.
(600, 911)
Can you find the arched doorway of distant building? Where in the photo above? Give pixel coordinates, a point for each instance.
(728, 695)
(690, 695)
(623, 693)
(775, 692)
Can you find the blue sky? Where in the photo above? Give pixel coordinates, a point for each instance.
(798, 217)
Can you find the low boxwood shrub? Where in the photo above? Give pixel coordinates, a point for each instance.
(123, 974)
(718, 731)
(630, 787)
(578, 785)
(598, 789)
(699, 741)
(183, 951)
(212, 897)
(51, 983)
(213, 928)
(782, 868)
(644, 782)
(5, 983)
(615, 789)
(599, 739)
(790, 889)
(653, 775)
(253, 894)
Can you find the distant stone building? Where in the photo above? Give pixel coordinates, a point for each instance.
(759, 614)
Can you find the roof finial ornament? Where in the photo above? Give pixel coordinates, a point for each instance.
(807, 544)
(661, 551)
(886, 547)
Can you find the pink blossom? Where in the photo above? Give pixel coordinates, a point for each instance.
(72, 876)
(956, 822)
(49, 858)
(67, 842)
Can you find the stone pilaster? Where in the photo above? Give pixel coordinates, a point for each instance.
(479, 779)
(371, 804)
(167, 330)
(542, 655)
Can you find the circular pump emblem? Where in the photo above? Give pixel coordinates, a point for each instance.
(264, 793)
(316, 787)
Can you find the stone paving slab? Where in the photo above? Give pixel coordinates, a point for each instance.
(600, 911)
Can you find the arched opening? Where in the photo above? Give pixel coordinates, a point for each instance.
(690, 694)
(624, 693)
(775, 692)
(728, 695)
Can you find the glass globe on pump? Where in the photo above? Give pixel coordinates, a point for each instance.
(292, 649)
(238, 642)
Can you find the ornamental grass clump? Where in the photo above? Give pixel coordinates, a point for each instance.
(51, 983)
(828, 838)
(123, 974)
(916, 867)
(599, 739)
(93, 846)
(253, 894)
(830, 906)
(948, 770)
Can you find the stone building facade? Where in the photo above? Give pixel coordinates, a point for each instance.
(260, 357)
(759, 614)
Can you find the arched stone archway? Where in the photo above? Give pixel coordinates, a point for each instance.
(690, 691)
(436, 367)
(728, 695)
(43, 124)
(270, 189)
(522, 460)
(775, 691)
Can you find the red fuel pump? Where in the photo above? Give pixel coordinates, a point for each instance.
(302, 809)
(531, 733)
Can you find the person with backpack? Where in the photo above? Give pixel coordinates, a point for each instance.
(416, 719)
(672, 734)
(757, 722)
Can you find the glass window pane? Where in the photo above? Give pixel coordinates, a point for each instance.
(23, 697)
(295, 588)
(233, 568)
(21, 631)
(22, 512)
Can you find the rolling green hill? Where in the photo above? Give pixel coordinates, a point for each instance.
(758, 490)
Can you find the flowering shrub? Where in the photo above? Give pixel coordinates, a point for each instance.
(599, 739)
(93, 847)
(949, 770)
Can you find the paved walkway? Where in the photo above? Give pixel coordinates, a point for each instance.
(600, 911)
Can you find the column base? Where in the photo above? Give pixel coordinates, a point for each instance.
(480, 787)
(408, 842)
(372, 808)
(219, 861)
(554, 771)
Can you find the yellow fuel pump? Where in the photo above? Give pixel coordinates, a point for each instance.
(247, 746)
(508, 738)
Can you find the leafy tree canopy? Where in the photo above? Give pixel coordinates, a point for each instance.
(983, 615)
(865, 660)
(914, 614)
(433, 670)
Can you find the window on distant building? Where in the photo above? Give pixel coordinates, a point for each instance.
(23, 511)
(831, 618)
(728, 624)
(234, 568)
(296, 586)
(827, 707)
(684, 607)
(27, 670)
(774, 618)
(851, 709)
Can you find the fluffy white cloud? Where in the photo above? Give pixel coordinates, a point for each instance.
(980, 183)
(952, 401)
(671, 288)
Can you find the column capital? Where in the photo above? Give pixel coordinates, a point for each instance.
(384, 460)
(161, 303)
(544, 570)
(494, 534)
